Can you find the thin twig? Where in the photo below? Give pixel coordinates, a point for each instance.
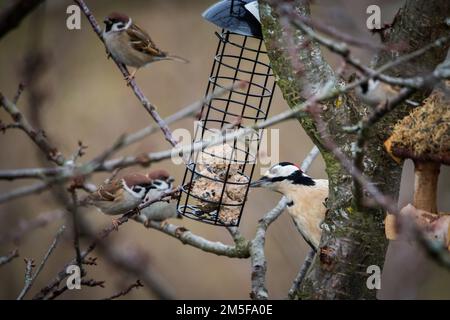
(9, 257)
(37, 136)
(14, 13)
(240, 250)
(301, 274)
(84, 282)
(309, 159)
(29, 279)
(25, 227)
(258, 259)
(76, 231)
(126, 291)
(125, 140)
(385, 201)
(342, 49)
(19, 92)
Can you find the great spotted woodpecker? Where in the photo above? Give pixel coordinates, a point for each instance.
(306, 198)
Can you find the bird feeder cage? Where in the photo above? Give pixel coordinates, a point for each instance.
(217, 179)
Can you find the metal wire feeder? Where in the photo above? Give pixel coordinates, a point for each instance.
(240, 56)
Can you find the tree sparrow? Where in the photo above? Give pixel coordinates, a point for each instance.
(161, 210)
(306, 198)
(131, 45)
(119, 196)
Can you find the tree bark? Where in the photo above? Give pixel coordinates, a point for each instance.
(353, 237)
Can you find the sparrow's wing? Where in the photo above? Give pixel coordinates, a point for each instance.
(106, 192)
(141, 41)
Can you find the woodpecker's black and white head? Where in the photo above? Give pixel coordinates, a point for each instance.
(282, 175)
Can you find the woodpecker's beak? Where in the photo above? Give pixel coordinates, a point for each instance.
(264, 181)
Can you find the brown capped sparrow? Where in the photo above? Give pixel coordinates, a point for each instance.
(305, 196)
(161, 210)
(374, 92)
(131, 45)
(119, 196)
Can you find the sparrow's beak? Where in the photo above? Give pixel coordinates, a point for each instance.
(264, 181)
(170, 179)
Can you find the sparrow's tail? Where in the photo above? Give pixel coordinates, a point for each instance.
(177, 58)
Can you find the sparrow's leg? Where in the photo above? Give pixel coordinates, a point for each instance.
(116, 223)
(130, 77)
(163, 223)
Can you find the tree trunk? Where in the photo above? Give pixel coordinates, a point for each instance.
(352, 239)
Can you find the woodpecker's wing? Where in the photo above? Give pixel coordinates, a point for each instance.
(141, 41)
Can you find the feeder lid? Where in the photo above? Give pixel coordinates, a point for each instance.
(238, 16)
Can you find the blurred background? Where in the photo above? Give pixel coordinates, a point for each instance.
(79, 95)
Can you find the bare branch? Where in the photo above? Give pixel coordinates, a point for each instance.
(9, 257)
(187, 237)
(25, 227)
(126, 140)
(309, 159)
(38, 137)
(259, 264)
(136, 263)
(126, 291)
(301, 274)
(14, 13)
(342, 49)
(29, 278)
(24, 191)
(84, 282)
(73, 207)
(347, 163)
